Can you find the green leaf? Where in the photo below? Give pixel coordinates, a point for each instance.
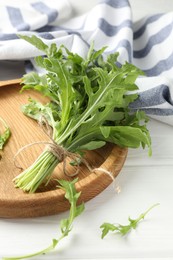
(79, 209)
(39, 61)
(5, 135)
(35, 41)
(111, 61)
(129, 136)
(93, 55)
(105, 130)
(64, 225)
(106, 228)
(54, 242)
(92, 145)
(75, 162)
(52, 51)
(31, 78)
(124, 229)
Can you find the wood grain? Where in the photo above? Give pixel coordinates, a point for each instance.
(9, 82)
(48, 200)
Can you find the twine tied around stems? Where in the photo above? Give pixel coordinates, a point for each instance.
(51, 146)
(61, 153)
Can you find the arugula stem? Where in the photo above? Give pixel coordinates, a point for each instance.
(31, 178)
(66, 224)
(54, 242)
(48, 249)
(142, 216)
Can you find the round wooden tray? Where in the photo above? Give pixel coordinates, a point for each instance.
(49, 199)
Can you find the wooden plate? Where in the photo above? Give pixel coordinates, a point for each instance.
(48, 200)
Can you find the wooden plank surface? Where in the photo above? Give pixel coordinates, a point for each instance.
(9, 82)
(47, 200)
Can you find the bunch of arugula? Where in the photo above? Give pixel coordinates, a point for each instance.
(89, 105)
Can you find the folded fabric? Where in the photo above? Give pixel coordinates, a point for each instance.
(146, 43)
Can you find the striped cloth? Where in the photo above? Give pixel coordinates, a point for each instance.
(146, 43)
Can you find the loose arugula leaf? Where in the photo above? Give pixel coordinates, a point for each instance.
(89, 105)
(124, 229)
(5, 135)
(72, 196)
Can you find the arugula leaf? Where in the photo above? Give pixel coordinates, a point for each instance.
(124, 229)
(89, 105)
(34, 40)
(5, 135)
(72, 196)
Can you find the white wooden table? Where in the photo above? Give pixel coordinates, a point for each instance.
(143, 181)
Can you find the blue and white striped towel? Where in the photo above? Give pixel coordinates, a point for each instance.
(146, 43)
